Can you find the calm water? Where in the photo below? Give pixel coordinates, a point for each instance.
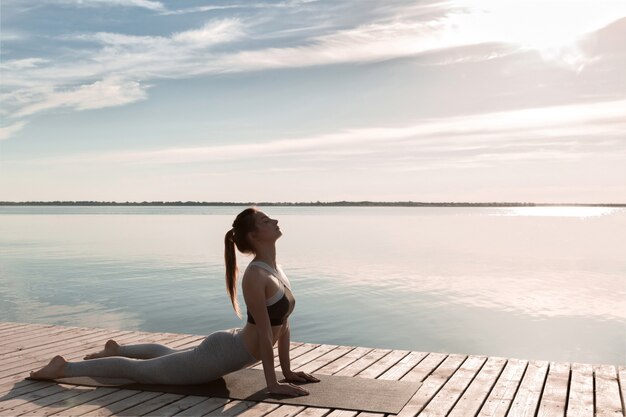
(533, 283)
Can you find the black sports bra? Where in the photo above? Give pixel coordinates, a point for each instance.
(281, 304)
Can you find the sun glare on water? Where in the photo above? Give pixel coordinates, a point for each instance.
(557, 211)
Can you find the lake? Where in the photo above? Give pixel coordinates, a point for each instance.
(524, 282)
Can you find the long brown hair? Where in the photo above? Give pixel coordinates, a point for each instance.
(238, 235)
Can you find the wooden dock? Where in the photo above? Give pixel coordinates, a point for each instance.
(453, 384)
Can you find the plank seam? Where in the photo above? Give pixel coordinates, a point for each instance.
(469, 384)
(495, 382)
(619, 389)
(445, 356)
(569, 387)
(543, 388)
(595, 407)
(443, 384)
(519, 384)
(414, 366)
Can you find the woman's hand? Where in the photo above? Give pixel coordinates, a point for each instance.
(287, 389)
(299, 377)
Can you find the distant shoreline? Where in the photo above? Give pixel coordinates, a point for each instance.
(303, 204)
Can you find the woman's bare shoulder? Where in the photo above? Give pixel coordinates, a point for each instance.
(255, 276)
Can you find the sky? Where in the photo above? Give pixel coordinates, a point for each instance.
(313, 100)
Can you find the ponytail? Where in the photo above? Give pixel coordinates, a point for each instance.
(237, 236)
(231, 269)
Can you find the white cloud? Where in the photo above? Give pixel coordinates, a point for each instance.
(104, 93)
(571, 132)
(8, 131)
(212, 33)
(146, 4)
(122, 63)
(138, 59)
(20, 64)
(201, 9)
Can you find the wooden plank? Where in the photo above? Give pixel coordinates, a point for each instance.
(15, 328)
(362, 363)
(31, 333)
(580, 399)
(527, 397)
(68, 402)
(40, 405)
(342, 362)
(441, 404)
(299, 351)
(73, 349)
(342, 413)
(62, 342)
(622, 386)
(260, 409)
(217, 406)
(204, 407)
(313, 412)
(47, 344)
(9, 325)
(22, 387)
(29, 337)
(501, 396)
(475, 395)
(309, 356)
(7, 407)
(181, 405)
(608, 403)
(79, 346)
(119, 407)
(147, 407)
(554, 396)
(431, 385)
(426, 367)
(325, 359)
(282, 411)
(403, 366)
(386, 362)
(95, 404)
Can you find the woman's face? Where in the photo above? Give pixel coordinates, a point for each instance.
(266, 228)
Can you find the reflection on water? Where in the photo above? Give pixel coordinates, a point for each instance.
(557, 211)
(489, 281)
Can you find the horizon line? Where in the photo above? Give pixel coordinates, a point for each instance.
(341, 203)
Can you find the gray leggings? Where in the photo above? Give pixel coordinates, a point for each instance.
(220, 353)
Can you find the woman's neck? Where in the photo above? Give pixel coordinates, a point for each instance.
(267, 255)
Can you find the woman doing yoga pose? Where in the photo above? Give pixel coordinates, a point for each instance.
(269, 301)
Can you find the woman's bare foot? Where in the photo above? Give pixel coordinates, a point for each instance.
(111, 348)
(53, 370)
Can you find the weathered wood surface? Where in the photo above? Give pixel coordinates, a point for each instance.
(452, 385)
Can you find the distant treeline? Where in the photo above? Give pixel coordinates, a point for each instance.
(306, 204)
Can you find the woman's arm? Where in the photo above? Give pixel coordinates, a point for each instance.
(283, 349)
(254, 295)
(283, 354)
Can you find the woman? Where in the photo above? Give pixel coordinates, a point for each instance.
(269, 301)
